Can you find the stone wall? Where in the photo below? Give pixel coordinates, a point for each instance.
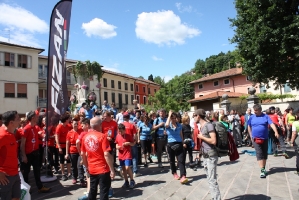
(281, 105)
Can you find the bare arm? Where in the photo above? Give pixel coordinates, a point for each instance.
(24, 157)
(78, 145)
(84, 158)
(109, 160)
(274, 129)
(211, 140)
(67, 148)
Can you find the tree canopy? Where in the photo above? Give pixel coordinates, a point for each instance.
(150, 78)
(266, 34)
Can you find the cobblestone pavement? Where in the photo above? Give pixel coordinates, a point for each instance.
(237, 180)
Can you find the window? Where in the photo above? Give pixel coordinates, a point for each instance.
(40, 93)
(137, 88)
(200, 95)
(144, 90)
(287, 88)
(119, 85)
(24, 61)
(112, 83)
(126, 86)
(7, 59)
(68, 77)
(132, 98)
(105, 82)
(226, 81)
(248, 78)
(149, 90)
(144, 99)
(106, 96)
(200, 86)
(216, 83)
(126, 99)
(9, 90)
(113, 97)
(137, 98)
(155, 91)
(22, 90)
(132, 87)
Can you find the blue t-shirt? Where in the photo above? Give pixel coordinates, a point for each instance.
(160, 131)
(259, 125)
(145, 133)
(94, 107)
(174, 133)
(114, 110)
(89, 114)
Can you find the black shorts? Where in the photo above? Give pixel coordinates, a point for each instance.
(261, 150)
(146, 146)
(62, 156)
(12, 189)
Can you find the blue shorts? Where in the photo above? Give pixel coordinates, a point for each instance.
(127, 162)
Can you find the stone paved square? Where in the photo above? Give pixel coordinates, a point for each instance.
(237, 180)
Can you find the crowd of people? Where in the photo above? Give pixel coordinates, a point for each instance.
(84, 147)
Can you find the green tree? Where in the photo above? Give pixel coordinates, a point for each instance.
(150, 78)
(266, 33)
(140, 77)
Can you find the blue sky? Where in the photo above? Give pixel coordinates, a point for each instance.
(139, 38)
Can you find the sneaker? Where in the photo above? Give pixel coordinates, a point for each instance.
(150, 160)
(70, 176)
(160, 165)
(74, 181)
(64, 178)
(126, 184)
(119, 168)
(44, 190)
(136, 174)
(132, 184)
(145, 165)
(286, 155)
(56, 172)
(296, 172)
(275, 154)
(176, 176)
(263, 173)
(184, 180)
(110, 193)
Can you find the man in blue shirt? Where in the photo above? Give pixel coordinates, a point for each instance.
(258, 129)
(159, 127)
(105, 107)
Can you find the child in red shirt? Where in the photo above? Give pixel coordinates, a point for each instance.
(123, 144)
(72, 152)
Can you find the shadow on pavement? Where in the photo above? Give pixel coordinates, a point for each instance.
(274, 170)
(195, 178)
(250, 197)
(228, 163)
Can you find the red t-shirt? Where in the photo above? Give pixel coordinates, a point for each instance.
(130, 128)
(95, 144)
(61, 132)
(82, 134)
(8, 153)
(18, 135)
(109, 128)
(274, 119)
(31, 135)
(124, 152)
(40, 136)
(72, 137)
(51, 139)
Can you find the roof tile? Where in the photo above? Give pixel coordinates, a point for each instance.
(215, 95)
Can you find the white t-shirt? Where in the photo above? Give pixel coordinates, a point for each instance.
(192, 123)
(119, 118)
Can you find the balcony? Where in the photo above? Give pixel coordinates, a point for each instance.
(42, 102)
(43, 75)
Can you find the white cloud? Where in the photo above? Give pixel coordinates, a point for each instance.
(223, 44)
(155, 58)
(99, 28)
(163, 27)
(183, 8)
(167, 78)
(21, 19)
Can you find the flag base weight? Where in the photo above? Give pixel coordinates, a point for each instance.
(45, 178)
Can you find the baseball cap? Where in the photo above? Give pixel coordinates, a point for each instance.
(272, 108)
(200, 112)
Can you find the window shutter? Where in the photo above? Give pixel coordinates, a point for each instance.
(28, 62)
(40, 93)
(1, 59)
(9, 88)
(22, 88)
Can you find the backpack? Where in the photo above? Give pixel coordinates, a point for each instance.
(222, 144)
